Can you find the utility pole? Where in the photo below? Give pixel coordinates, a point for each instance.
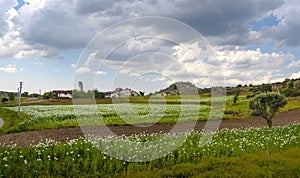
(20, 93)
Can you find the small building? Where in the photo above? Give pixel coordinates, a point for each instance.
(119, 92)
(62, 93)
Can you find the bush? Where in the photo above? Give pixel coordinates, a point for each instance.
(253, 113)
(250, 96)
(4, 100)
(290, 92)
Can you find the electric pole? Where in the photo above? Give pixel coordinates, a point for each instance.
(20, 93)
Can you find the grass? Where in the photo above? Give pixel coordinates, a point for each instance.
(253, 152)
(293, 103)
(11, 120)
(284, 164)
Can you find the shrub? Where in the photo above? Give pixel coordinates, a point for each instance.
(290, 92)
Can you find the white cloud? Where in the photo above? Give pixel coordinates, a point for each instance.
(286, 33)
(100, 72)
(73, 65)
(294, 64)
(295, 75)
(10, 68)
(90, 59)
(252, 66)
(82, 70)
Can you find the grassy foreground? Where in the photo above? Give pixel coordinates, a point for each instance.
(254, 152)
(284, 164)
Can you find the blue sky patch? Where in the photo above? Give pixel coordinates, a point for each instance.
(266, 22)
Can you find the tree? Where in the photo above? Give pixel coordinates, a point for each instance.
(4, 100)
(291, 84)
(267, 104)
(11, 96)
(142, 93)
(236, 96)
(265, 88)
(25, 94)
(48, 95)
(99, 95)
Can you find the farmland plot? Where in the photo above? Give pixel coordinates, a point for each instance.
(54, 116)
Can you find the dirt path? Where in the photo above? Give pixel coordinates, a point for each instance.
(63, 134)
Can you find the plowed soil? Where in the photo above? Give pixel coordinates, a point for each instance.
(64, 134)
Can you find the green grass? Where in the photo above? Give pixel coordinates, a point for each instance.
(293, 103)
(11, 120)
(284, 164)
(254, 152)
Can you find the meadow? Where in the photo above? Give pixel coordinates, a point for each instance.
(263, 152)
(255, 152)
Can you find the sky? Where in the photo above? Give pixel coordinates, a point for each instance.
(146, 44)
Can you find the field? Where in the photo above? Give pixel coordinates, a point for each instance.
(139, 111)
(253, 152)
(81, 158)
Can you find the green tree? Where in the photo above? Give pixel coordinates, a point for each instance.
(48, 95)
(98, 95)
(4, 100)
(25, 94)
(267, 104)
(11, 96)
(291, 84)
(265, 88)
(236, 96)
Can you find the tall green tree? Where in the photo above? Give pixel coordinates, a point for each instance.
(267, 105)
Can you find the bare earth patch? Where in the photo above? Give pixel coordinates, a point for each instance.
(64, 134)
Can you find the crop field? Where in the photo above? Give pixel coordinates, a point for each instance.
(82, 158)
(37, 117)
(54, 116)
(263, 151)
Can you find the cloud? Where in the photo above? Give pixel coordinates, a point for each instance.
(90, 59)
(286, 33)
(10, 68)
(82, 70)
(100, 72)
(55, 26)
(295, 75)
(73, 65)
(252, 66)
(294, 64)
